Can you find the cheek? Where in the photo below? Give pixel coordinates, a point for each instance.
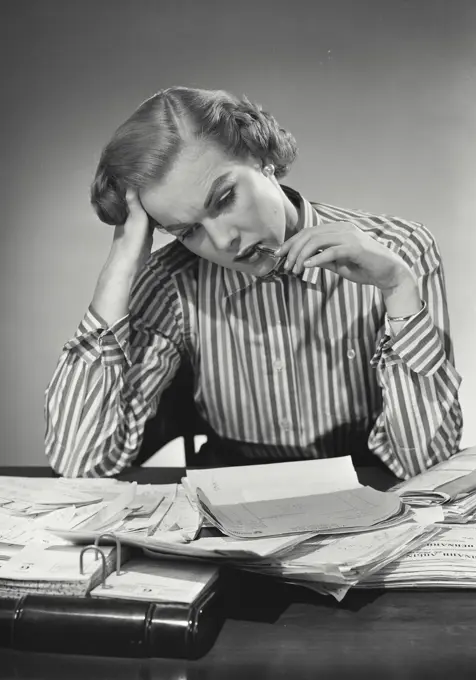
(266, 207)
(203, 247)
(273, 200)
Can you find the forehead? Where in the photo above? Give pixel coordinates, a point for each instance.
(180, 195)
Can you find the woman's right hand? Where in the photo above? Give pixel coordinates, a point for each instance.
(132, 242)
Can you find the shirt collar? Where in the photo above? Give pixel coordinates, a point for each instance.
(235, 281)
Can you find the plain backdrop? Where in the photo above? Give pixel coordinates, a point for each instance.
(380, 95)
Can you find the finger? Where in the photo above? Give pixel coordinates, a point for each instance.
(293, 242)
(132, 200)
(313, 247)
(327, 256)
(137, 211)
(324, 230)
(298, 243)
(285, 247)
(317, 242)
(309, 250)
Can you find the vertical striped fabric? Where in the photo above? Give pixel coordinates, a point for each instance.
(287, 367)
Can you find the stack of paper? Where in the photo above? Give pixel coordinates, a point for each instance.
(447, 561)
(355, 530)
(172, 530)
(218, 548)
(167, 510)
(54, 571)
(154, 581)
(461, 511)
(161, 518)
(31, 496)
(333, 565)
(30, 508)
(451, 484)
(318, 496)
(309, 522)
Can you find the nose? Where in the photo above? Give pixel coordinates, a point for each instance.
(225, 237)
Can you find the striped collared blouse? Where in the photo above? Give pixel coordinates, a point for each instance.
(286, 366)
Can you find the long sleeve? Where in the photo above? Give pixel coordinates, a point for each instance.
(421, 421)
(108, 381)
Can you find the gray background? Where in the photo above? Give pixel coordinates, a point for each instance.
(379, 93)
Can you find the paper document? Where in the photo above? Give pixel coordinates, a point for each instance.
(41, 491)
(182, 516)
(148, 497)
(154, 581)
(447, 561)
(333, 565)
(22, 531)
(114, 510)
(428, 516)
(54, 571)
(238, 550)
(52, 564)
(362, 508)
(217, 547)
(283, 498)
(445, 481)
(275, 480)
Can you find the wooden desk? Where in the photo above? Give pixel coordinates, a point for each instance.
(274, 630)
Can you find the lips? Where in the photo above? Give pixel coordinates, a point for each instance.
(246, 252)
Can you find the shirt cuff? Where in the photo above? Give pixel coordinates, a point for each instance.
(417, 344)
(94, 339)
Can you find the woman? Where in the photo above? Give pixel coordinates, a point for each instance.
(340, 345)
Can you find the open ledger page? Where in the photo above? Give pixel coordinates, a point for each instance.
(285, 498)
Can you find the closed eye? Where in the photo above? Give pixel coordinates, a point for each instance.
(227, 199)
(188, 231)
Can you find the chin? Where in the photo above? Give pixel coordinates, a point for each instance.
(262, 268)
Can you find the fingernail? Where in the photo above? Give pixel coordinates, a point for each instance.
(307, 263)
(287, 264)
(295, 269)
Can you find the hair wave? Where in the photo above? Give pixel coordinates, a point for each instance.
(144, 147)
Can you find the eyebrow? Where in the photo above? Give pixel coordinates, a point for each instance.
(214, 189)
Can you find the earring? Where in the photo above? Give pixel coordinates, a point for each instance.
(268, 170)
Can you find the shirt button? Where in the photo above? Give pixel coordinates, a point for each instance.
(278, 365)
(351, 353)
(285, 424)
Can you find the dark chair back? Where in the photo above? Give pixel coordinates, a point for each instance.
(176, 416)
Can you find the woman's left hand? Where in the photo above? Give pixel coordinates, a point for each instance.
(351, 253)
